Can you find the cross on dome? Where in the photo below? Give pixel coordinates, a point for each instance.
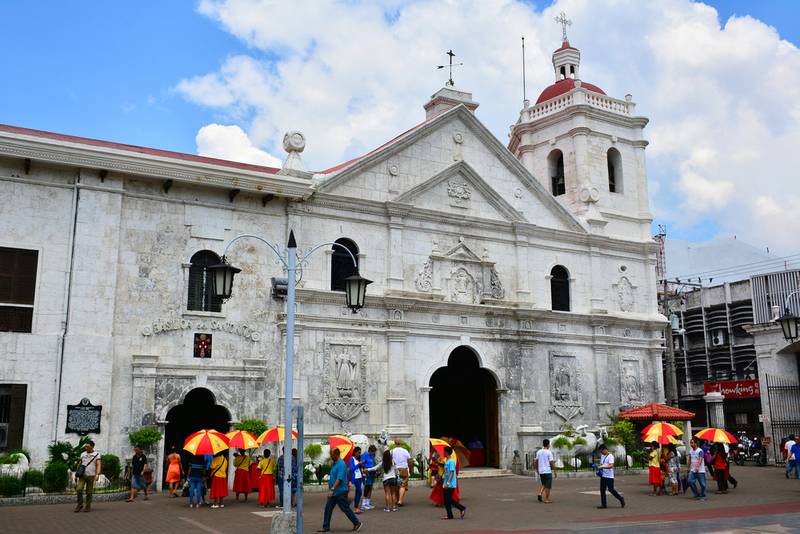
(564, 21)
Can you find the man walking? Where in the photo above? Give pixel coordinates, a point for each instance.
(607, 477)
(546, 468)
(90, 462)
(337, 494)
(405, 465)
(696, 470)
(794, 454)
(449, 485)
(138, 467)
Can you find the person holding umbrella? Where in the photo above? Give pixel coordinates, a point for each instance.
(450, 484)
(337, 494)
(216, 443)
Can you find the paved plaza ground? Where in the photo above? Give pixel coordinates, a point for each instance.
(765, 501)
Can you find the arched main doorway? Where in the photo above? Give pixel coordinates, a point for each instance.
(199, 411)
(463, 404)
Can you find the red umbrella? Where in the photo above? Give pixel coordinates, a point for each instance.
(206, 442)
(241, 439)
(344, 444)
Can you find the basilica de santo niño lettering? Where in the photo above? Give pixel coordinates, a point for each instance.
(514, 282)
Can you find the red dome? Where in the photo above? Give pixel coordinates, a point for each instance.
(565, 86)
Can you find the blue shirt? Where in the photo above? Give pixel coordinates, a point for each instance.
(369, 460)
(796, 451)
(338, 472)
(450, 467)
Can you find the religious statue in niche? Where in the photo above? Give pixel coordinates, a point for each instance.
(462, 286)
(202, 345)
(345, 378)
(625, 295)
(565, 386)
(630, 386)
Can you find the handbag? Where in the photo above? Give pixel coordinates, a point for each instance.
(81, 471)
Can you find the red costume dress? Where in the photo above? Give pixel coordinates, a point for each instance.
(266, 487)
(241, 479)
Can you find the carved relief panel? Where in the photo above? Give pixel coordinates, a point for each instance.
(630, 386)
(566, 398)
(345, 378)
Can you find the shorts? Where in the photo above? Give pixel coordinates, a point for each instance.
(547, 480)
(138, 481)
(404, 474)
(390, 482)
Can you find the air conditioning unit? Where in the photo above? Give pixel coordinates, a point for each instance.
(718, 338)
(3, 435)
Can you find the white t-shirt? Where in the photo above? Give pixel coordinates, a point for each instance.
(607, 459)
(697, 457)
(543, 459)
(89, 459)
(400, 457)
(788, 447)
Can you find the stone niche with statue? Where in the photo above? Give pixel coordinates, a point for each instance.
(345, 378)
(460, 275)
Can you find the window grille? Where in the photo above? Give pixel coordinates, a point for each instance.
(201, 289)
(18, 269)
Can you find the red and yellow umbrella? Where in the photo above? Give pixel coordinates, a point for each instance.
(206, 442)
(716, 434)
(275, 434)
(439, 445)
(240, 439)
(659, 430)
(344, 444)
(462, 453)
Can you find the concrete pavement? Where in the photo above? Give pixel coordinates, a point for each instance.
(765, 501)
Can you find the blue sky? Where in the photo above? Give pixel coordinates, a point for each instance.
(210, 78)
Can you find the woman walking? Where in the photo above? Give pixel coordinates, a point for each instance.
(266, 484)
(219, 480)
(241, 480)
(197, 472)
(720, 461)
(655, 470)
(391, 480)
(673, 469)
(174, 472)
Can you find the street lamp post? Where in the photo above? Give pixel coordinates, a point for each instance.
(355, 295)
(788, 321)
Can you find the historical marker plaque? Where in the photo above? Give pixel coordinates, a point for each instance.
(83, 418)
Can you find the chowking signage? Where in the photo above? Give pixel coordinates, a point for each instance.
(737, 388)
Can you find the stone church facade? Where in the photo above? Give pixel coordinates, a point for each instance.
(514, 285)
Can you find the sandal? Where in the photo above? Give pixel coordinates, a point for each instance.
(129, 500)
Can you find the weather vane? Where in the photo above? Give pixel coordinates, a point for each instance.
(564, 21)
(452, 55)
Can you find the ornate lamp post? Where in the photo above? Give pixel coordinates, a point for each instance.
(788, 321)
(355, 294)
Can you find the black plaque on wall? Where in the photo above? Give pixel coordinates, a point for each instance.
(83, 418)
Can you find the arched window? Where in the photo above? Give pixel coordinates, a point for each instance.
(559, 288)
(342, 264)
(614, 170)
(555, 169)
(201, 288)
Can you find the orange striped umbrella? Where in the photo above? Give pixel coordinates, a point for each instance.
(716, 434)
(439, 445)
(240, 439)
(275, 434)
(462, 453)
(344, 444)
(206, 442)
(662, 429)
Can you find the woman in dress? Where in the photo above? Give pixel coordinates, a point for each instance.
(266, 484)
(219, 479)
(673, 469)
(720, 461)
(174, 472)
(655, 470)
(241, 480)
(391, 480)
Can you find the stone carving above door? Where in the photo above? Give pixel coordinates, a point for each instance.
(460, 275)
(565, 386)
(345, 378)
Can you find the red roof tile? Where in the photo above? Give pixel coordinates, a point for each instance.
(140, 150)
(657, 412)
(565, 86)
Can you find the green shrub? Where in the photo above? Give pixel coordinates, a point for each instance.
(55, 477)
(10, 458)
(145, 437)
(10, 486)
(322, 470)
(64, 451)
(561, 442)
(109, 466)
(313, 451)
(27, 453)
(34, 478)
(403, 444)
(254, 426)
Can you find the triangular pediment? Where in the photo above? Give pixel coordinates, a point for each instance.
(460, 252)
(377, 176)
(456, 188)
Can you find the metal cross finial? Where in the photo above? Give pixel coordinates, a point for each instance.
(452, 55)
(564, 21)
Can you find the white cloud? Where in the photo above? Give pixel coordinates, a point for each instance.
(723, 97)
(231, 143)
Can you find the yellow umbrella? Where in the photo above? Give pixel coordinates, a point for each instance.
(439, 445)
(274, 434)
(716, 434)
(206, 442)
(240, 439)
(462, 453)
(663, 429)
(344, 444)
(674, 441)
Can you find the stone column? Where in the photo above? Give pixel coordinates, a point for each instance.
(523, 269)
(395, 277)
(396, 401)
(716, 416)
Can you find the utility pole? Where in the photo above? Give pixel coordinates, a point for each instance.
(671, 378)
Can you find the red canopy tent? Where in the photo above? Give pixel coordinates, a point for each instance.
(656, 412)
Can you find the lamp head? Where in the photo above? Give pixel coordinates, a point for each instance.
(788, 324)
(355, 289)
(222, 274)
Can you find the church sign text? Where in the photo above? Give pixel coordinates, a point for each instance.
(167, 325)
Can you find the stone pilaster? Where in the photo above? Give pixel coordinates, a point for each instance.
(716, 416)
(396, 401)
